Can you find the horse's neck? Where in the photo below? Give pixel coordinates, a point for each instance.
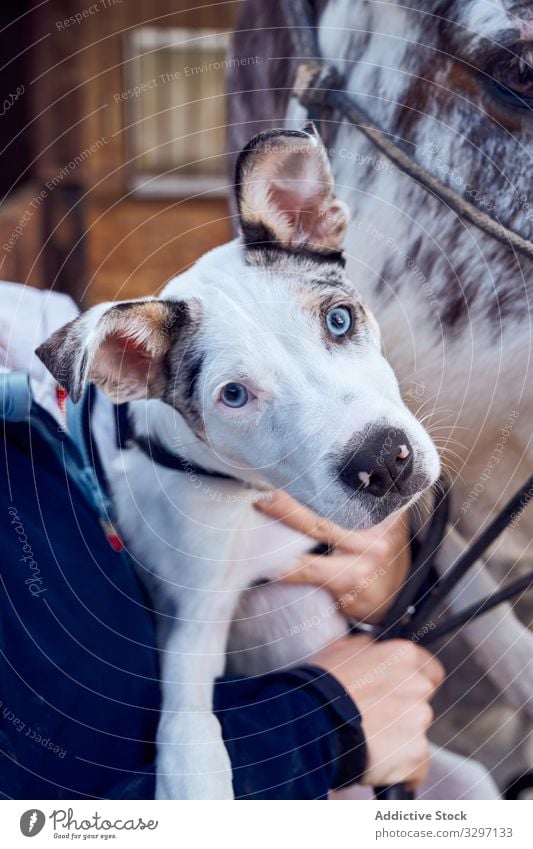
(435, 285)
(357, 38)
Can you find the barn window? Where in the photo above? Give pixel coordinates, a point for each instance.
(175, 111)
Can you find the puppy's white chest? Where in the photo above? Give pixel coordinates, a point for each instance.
(201, 535)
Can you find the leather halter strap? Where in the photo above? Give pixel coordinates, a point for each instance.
(158, 454)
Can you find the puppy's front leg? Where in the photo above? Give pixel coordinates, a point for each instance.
(503, 645)
(192, 761)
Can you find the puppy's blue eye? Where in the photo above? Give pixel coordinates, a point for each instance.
(234, 395)
(339, 321)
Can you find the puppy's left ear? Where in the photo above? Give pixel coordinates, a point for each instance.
(121, 347)
(284, 187)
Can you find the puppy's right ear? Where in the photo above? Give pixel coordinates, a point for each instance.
(121, 347)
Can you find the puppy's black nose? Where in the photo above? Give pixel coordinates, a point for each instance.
(383, 465)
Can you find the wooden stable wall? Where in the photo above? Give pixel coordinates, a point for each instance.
(21, 226)
(105, 242)
(135, 246)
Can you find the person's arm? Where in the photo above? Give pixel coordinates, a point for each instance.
(290, 735)
(298, 734)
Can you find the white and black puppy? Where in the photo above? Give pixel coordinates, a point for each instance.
(262, 364)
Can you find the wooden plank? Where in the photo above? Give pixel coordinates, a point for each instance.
(135, 247)
(21, 237)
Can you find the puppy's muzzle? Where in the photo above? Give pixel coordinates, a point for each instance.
(382, 466)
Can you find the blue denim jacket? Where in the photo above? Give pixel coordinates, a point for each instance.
(79, 690)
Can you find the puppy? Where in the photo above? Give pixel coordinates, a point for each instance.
(258, 368)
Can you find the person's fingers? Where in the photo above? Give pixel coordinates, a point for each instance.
(433, 669)
(420, 659)
(420, 773)
(398, 755)
(311, 569)
(357, 583)
(416, 657)
(283, 508)
(419, 750)
(385, 544)
(342, 574)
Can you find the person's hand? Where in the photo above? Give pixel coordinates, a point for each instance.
(391, 683)
(366, 568)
